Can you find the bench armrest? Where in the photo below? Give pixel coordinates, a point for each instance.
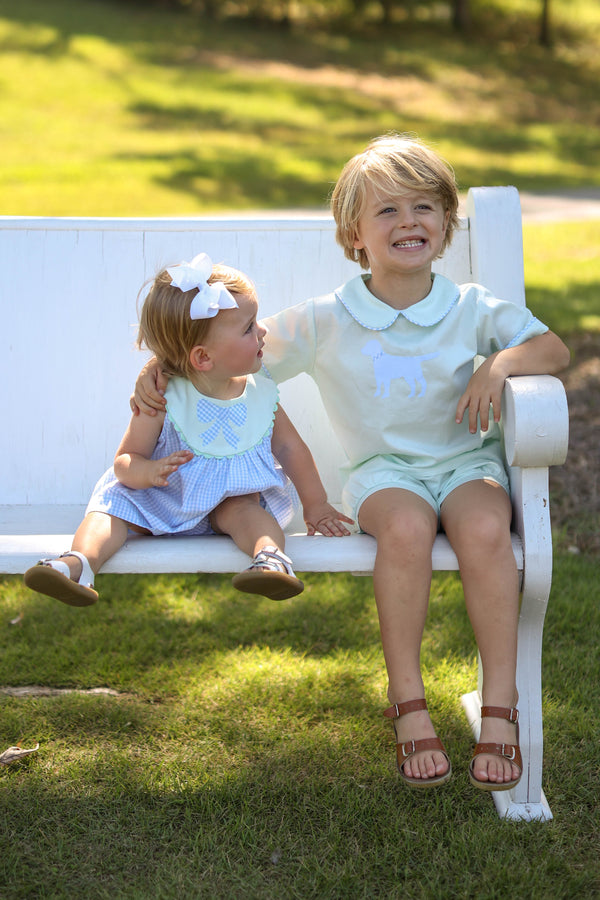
(535, 420)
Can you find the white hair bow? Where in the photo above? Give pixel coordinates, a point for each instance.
(210, 297)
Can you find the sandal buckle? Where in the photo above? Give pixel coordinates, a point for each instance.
(514, 715)
(406, 744)
(505, 754)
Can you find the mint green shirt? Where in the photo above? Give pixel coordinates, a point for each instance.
(390, 379)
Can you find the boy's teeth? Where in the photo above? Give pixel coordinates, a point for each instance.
(408, 243)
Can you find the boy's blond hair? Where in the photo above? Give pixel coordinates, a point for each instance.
(165, 325)
(394, 163)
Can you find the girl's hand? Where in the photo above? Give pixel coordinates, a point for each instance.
(162, 468)
(149, 390)
(325, 519)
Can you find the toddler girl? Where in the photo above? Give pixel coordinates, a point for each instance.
(218, 459)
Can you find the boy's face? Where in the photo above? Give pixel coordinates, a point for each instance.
(401, 231)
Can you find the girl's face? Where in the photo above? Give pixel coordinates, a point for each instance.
(402, 232)
(235, 339)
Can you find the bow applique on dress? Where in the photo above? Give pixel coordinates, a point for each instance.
(222, 419)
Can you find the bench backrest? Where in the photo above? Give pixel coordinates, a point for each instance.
(68, 290)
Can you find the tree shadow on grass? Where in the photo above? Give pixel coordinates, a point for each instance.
(157, 634)
(514, 91)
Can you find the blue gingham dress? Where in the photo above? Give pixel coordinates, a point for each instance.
(231, 442)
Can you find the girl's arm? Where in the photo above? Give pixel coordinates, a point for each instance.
(148, 395)
(544, 354)
(133, 466)
(298, 464)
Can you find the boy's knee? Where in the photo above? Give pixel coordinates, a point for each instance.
(484, 529)
(408, 532)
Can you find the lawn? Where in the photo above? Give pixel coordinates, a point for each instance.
(236, 747)
(112, 109)
(245, 753)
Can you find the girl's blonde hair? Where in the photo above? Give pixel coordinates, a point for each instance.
(165, 325)
(394, 163)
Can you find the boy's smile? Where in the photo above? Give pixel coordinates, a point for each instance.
(402, 233)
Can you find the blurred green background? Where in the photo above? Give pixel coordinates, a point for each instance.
(131, 108)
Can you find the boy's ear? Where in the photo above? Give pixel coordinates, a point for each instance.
(446, 220)
(199, 359)
(357, 243)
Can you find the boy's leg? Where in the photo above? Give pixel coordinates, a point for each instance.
(405, 527)
(476, 518)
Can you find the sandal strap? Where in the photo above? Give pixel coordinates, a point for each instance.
(273, 559)
(55, 564)
(401, 709)
(510, 713)
(511, 752)
(87, 576)
(406, 749)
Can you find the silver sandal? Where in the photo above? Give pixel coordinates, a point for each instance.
(270, 575)
(53, 578)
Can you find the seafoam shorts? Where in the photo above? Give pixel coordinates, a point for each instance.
(389, 471)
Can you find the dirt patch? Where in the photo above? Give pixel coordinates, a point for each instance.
(575, 487)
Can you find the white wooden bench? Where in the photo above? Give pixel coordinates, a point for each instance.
(68, 291)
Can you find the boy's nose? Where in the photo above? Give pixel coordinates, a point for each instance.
(406, 216)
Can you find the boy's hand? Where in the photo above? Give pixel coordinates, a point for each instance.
(484, 389)
(325, 519)
(162, 468)
(149, 389)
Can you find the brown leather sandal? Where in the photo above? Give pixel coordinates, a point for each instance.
(511, 752)
(406, 749)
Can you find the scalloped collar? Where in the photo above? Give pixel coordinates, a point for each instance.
(376, 315)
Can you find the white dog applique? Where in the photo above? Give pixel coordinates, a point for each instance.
(387, 367)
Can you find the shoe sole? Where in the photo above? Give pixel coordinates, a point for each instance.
(426, 782)
(273, 585)
(493, 785)
(46, 580)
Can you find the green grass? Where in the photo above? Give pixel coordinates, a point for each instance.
(247, 755)
(120, 110)
(562, 274)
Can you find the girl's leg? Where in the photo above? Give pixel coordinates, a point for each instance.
(98, 537)
(251, 527)
(405, 527)
(255, 531)
(66, 579)
(476, 518)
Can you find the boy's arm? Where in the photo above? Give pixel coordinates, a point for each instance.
(132, 464)
(298, 464)
(150, 386)
(544, 354)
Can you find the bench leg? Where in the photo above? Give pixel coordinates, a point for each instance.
(530, 495)
(526, 801)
